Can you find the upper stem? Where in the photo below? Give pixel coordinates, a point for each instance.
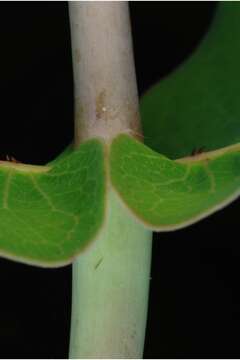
(106, 99)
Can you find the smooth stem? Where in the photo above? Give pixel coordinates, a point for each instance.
(110, 290)
(105, 90)
(111, 278)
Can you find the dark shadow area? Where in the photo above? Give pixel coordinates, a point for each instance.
(165, 34)
(194, 307)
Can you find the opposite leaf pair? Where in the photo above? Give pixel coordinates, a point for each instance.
(49, 214)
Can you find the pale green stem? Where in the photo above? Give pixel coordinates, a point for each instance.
(110, 290)
(111, 278)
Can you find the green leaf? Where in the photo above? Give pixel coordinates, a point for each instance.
(198, 104)
(50, 214)
(166, 194)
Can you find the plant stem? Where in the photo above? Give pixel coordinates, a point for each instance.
(110, 290)
(111, 278)
(105, 90)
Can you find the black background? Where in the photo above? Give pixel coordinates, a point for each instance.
(194, 299)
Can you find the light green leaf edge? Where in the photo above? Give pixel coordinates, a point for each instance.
(49, 214)
(167, 195)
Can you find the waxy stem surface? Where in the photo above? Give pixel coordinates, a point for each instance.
(110, 281)
(110, 292)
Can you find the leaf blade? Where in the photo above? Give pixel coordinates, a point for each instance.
(167, 195)
(197, 105)
(48, 217)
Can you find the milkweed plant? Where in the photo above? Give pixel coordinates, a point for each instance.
(125, 175)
